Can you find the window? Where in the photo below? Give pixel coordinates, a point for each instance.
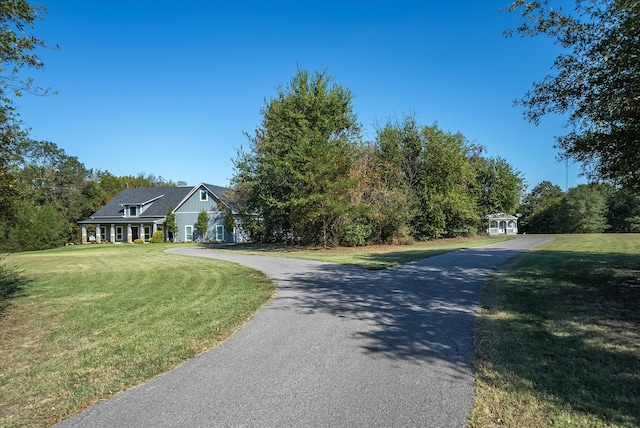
(103, 233)
(204, 196)
(188, 233)
(133, 211)
(118, 233)
(147, 233)
(219, 233)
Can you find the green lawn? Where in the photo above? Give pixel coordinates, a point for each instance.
(558, 334)
(373, 257)
(558, 337)
(95, 320)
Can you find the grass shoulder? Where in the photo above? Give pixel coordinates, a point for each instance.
(558, 336)
(373, 257)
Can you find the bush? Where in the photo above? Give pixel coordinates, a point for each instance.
(138, 241)
(158, 237)
(402, 237)
(356, 234)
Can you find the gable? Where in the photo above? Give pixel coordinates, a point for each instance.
(200, 198)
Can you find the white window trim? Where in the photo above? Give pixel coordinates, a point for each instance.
(219, 227)
(206, 195)
(137, 209)
(187, 234)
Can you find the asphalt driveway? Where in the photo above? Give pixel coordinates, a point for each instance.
(338, 347)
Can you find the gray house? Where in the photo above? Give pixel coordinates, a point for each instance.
(139, 213)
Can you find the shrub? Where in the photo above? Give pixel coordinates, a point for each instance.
(356, 234)
(157, 237)
(138, 241)
(402, 237)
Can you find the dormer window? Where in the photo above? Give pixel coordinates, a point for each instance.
(133, 211)
(204, 196)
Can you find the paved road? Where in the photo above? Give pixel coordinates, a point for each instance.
(338, 347)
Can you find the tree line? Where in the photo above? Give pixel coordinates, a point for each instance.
(308, 177)
(587, 208)
(45, 192)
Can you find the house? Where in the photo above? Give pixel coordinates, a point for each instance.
(138, 213)
(502, 224)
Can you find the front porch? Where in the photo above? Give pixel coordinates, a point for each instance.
(119, 232)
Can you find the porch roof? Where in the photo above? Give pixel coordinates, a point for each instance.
(123, 220)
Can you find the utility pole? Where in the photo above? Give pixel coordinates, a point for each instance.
(566, 180)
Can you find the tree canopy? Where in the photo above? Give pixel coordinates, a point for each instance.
(595, 82)
(295, 175)
(587, 208)
(307, 178)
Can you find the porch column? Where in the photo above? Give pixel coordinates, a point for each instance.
(155, 229)
(129, 234)
(141, 233)
(98, 234)
(112, 234)
(84, 234)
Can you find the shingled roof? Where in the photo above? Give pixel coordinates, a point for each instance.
(158, 199)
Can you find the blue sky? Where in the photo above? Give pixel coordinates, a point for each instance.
(168, 87)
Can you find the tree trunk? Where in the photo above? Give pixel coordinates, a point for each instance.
(324, 231)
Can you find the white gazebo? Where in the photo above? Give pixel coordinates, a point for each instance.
(502, 224)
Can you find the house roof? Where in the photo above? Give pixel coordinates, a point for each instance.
(157, 199)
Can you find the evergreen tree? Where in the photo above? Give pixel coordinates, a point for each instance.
(202, 224)
(171, 225)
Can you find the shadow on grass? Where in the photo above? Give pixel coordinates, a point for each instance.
(384, 260)
(344, 255)
(572, 332)
(12, 282)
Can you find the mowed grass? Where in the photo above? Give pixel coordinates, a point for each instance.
(558, 337)
(96, 320)
(373, 257)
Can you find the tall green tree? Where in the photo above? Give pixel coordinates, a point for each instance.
(380, 192)
(584, 209)
(436, 172)
(18, 52)
(18, 48)
(449, 179)
(624, 210)
(499, 187)
(541, 209)
(295, 176)
(50, 176)
(595, 82)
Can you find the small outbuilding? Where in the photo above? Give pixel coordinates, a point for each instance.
(502, 224)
